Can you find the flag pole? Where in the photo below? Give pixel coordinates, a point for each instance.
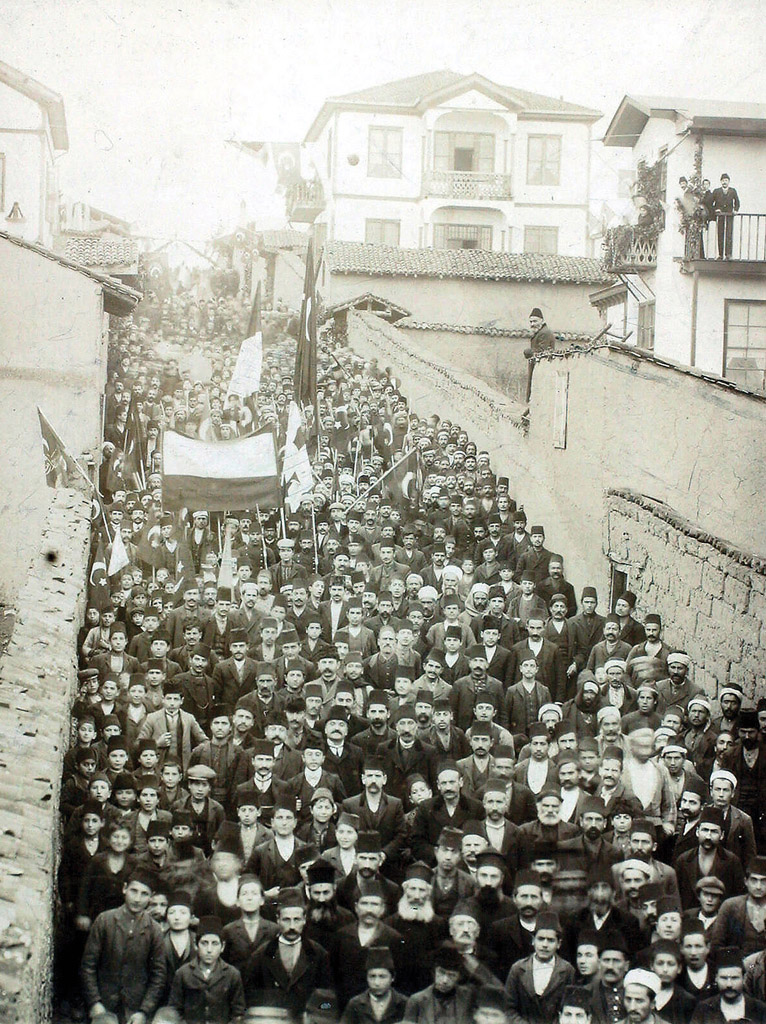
(314, 531)
(380, 480)
(263, 539)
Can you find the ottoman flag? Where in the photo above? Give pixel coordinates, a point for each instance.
(220, 475)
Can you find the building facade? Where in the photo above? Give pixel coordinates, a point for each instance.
(33, 132)
(449, 161)
(682, 294)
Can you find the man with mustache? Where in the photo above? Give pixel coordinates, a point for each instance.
(377, 811)
(422, 930)
(324, 915)
(290, 963)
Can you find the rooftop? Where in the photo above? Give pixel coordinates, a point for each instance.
(469, 264)
(52, 102)
(413, 95)
(724, 117)
(97, 251)
(284, 238)
(120, 299)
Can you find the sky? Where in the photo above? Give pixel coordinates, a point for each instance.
(154, 88)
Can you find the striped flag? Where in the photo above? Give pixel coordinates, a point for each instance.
(219, 475)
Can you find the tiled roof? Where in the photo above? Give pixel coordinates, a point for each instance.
(96, 251)
(285, 238)
(409, 323)
(474, 264)
(364, 298)
(412, 91)
(124, 298)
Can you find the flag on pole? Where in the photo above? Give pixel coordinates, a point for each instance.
(226, 571)
(59, 464)
(306, 353)
(297, 478)
(99, 596)
(218, 475)
(246, 379)
(118, 559)
(408, 477)
(134, 446)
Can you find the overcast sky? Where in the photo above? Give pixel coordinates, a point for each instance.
(151, 92)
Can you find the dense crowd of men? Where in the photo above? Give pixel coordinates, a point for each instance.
(400, 771)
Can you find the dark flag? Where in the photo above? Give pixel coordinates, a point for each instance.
(60, 467)
(306, 352)
(135, 446)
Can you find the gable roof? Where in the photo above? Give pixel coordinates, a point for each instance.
(52, 102)
(724, 117)
(364, 299)
(469, 264)
(415, 94)
(119, 299)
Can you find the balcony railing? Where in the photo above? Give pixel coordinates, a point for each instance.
(467, 185)
(304, 201)
(626, 250)
(737, 236)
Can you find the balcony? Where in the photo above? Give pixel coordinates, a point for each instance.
(732, 244)
(627, 250)
(304, 201)
(466, 185)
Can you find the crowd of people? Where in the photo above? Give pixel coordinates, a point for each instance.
(400, 771)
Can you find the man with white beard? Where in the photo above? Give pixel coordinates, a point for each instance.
(422, 931)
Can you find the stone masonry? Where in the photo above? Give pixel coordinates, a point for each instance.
(713, 594)
(38, 683)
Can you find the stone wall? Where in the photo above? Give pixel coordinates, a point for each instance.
(712, 595)
(38, 682)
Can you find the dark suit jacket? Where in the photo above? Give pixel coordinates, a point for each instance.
(431, 817)
(226, 681)
(726, 866)
(709, 1011)
(525, 1005)
(509, 942)
(264, 973)
(239, 948)
(420, 760)
(122, 972)
(463, 697)
(551, 670)
(586, 632)
(325, 617)
(266, 862)
(348, 767)
(388, 821)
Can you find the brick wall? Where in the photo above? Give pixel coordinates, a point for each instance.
(711, 594)
(38, 682)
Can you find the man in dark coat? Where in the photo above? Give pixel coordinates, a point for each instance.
(708, 857)
(725, 205)
(377, 811)
(450, 808)
(288, 963)
(123, 966)
(543, 340)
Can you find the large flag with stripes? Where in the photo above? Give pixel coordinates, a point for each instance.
(219, 475)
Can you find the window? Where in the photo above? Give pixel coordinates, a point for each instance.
(541, 239)
(464, 151)
(645, 328)
(462, 236)
(2, 181)
(618, 583)
(543, 159)
(382, 232)
(745, 343)
(384, 159)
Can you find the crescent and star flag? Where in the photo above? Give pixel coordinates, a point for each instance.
(219, 475)
(246, 379)
(287, 161)
(408, 476)
(306, 352)
(99, 584)
(297, 478)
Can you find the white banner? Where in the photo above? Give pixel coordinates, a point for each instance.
(297, 477)
(246, 379)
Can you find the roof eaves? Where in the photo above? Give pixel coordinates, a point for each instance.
(110, 285)
(52, 102)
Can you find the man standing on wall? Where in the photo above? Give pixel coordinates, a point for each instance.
(543, 339)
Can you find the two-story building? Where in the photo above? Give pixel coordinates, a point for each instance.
(33, 133)
(449, 161)
(686, 295)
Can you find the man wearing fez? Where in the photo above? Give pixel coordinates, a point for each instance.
(535, 985)
(348, 949)
(342, 758)
(422, 930)
(463, 695)
(405, 755)
(709, 857)
(745, 760)
(606, 990)
(450, 807)
(261, 786)
(236, 675)
(369, 861)
(289, 963)
(731, 1003)
(446, 1000)
(380, 1003)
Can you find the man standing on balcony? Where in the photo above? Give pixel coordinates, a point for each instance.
(543, 339)
(725, 205)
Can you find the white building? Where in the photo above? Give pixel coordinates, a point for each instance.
(675, 294)
(446, 160)
(33, 133)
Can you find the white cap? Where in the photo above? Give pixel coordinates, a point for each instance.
(639, 976)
